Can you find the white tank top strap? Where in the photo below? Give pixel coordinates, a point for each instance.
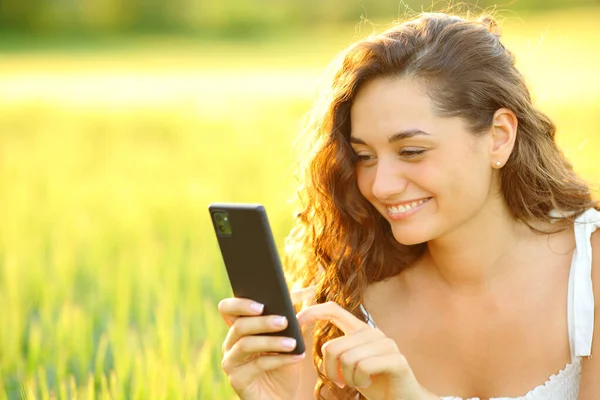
(581, 294)
(370, 321)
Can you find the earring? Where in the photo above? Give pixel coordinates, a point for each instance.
(498, 164)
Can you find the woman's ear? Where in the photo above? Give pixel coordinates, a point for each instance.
(502, 136)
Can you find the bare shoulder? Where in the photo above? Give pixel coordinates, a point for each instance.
(382, 291)
(590, 384)
(375, 290)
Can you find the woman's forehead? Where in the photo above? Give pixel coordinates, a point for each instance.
(391, 104)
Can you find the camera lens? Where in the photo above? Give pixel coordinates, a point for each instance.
(221, 222)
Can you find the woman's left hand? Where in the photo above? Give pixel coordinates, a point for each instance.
(364, 357)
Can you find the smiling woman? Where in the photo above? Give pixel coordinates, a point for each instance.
(447, 240)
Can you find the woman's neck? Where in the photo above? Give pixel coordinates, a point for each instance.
(480, 251)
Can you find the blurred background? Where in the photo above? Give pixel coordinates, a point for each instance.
(121, 120)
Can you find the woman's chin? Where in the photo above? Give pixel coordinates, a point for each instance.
(410, 239)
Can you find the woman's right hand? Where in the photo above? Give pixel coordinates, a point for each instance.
(254, 371)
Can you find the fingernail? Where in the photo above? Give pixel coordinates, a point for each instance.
(257, 307)
(340, 385)
(279, 321)
(288, 343)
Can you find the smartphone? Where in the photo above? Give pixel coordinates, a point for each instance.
(252, 262)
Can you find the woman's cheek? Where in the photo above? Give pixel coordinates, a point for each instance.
(364, 177)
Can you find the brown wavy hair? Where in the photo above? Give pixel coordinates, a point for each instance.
(340, 242)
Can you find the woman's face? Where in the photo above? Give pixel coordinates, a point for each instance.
(427, 175)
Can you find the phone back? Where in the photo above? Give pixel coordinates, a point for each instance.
(252, 262)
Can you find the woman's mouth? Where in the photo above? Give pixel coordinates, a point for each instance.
(406, 209)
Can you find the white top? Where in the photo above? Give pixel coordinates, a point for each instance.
(565, 384)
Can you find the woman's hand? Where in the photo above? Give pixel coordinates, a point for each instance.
(364, 357)
(254, 371)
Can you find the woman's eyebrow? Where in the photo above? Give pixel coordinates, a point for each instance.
(406, 134)
(395, 137)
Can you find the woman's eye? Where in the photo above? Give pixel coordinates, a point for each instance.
(364, 157)
(409, 153)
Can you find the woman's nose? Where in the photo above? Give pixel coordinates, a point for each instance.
(389, 182)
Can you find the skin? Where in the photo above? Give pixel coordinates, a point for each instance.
(479, 312)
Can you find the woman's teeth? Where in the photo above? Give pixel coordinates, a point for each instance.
(406, 207)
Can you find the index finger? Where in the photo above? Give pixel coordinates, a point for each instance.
(332, 312)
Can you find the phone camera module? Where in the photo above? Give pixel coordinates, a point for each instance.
(222, 223)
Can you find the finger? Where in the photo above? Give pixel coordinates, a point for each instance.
(331, 311)
(245, 374)
(250, 347)
(394, 365)
(334, 352)
(331, 366)
(234, 307)
(350, 359)
(253, 326)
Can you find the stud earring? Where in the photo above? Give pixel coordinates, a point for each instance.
(498, 164)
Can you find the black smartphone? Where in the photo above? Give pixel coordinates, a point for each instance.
(252, 262)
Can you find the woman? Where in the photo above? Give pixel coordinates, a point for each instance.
(448, 241)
